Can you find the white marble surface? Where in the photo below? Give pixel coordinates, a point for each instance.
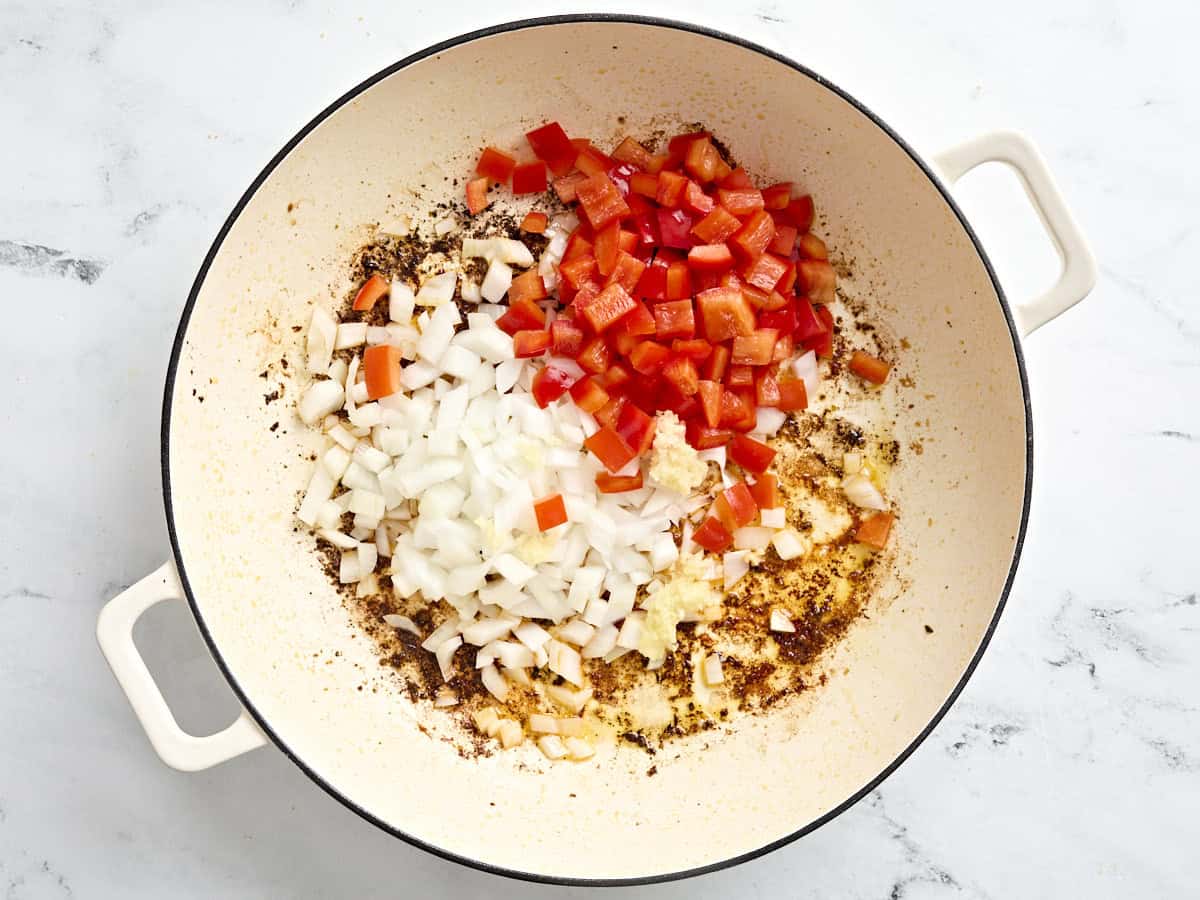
(1069, 767)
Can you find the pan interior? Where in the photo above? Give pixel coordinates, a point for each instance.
(279, 627)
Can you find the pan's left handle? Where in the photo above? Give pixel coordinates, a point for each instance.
(1078, 275)
(175, 747)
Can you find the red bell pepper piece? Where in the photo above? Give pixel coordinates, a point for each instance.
(792, 395)
(777, 196)
(610, 448)
(671, 186)
(495, 165)
(606, 247)
(737, 178)
(710, 402)
(674, 228)
(534, 222)
(648, 357)
(696, 201)
(679, 281)
(550, 512)
(816, 279)
(566, 338)
(717, 226)
(765, 491)
(588, 395)
(784, 240)
(695, 348)
(737, 409)
(635, 428)
(630, 151)
(753, 456)
(477, 198)
(725, 313)
(594, 356)
(612, 303)
(549, 384)
(528, 344)
(874, 530)
(799, 212)
(373, 288)
(869, 368)
(714, 368)
(710, 258)
(600, 200)
(674, 319)
(522, 315)
(764, 271)
(740, 201)
(566, 186)
(529, 178)
(755, 349)
(681, 372)
(712, 536)
(700, 160)
(627, 272)
(752, 238)
(617, 484)
(551, 144)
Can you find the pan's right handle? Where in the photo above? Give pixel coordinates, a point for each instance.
(1078, 275)
(175, 747)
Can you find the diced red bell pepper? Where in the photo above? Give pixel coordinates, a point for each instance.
(372, 289)
(784, 348)
(816, 279)
(710, 402)
(799, 212)
(812, 247)
(695, 201)
(529, 178)
(620, 175)
(764, 271)
(874, 530)
(695, 348)
(566, 186)
(680, 142)
(594, 357)
(587, 292)
(577, 271)
(577, 246)
(755, 349)
(674, 319)
(784, 320)
(754, 296)
(753, 456)
(630, 151)
(528, 344)
(710, 257)
(522, 315)
(766, 389)
(600, 200)
(701, 437)
(675, 228)
(740, 502)
(700, 160)
(591, 160)
(495, 164)
(549, 384)
(784, 240)
(635, 428)
(671, 186)
(869, 368)
(681, 372)
(617, 484)
(534, 222)
(644, 185)
(822, 344)
(588, 395)
(606, 247)
(610, 412)
(477, 198)
(627, 272)
(740, 201)
(725, 313)
(792, 395)
(752, 238)
(381, 369)
(775, 301)
(736, 178)
(717, 226)
(566, 338)
(610, 448)
(679, 281)
(527, 286)
(740, 375)
(616, 375)
(777, 196)
(653, 283)
(765, 491)
(608, 308)
(805, 324)
(724, 170)
(551, 144)
(648, 357)
(550, 512)
(712, 536)
(737, 409)
(787, 281)
(715, 366)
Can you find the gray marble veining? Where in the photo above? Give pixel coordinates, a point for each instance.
(1069, 767)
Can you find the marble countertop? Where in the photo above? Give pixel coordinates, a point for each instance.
(1069, 767)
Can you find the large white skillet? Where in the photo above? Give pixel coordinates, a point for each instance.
(276, 626)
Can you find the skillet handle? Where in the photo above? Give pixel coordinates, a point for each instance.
(1078, 275)
(177, 748)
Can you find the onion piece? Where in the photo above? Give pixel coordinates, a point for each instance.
(404, 623)
(322, 334)
(552, 746)
(780, 621)
(773, 518)
(712, 672)
(437, 290)
(578, 749)
(789, 544)
(494, 682)
(401, 302)
(861, 491)
(321, 399)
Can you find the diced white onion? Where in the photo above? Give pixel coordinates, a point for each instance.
(773, 518)
(789, 544)
(322, 334)
(322, 398)
(780, 621)
(861, 491)
(350, 334)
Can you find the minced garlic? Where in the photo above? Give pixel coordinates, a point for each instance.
(685, 595)
(674, 463)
